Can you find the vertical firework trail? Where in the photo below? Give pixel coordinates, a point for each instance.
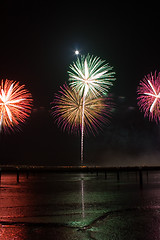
(90, 76)
(82, 129)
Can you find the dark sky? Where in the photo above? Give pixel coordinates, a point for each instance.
(37, 45)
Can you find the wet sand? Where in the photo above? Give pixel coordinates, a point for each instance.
(80, 206)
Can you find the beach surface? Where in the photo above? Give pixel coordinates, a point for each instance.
(46, 205)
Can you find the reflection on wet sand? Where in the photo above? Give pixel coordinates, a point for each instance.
(55, 206)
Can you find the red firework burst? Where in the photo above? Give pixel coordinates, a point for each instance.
(15, 105)
(149, 96)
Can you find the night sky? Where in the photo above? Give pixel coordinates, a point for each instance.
(37, 45)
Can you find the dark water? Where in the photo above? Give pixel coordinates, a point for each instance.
(80, 207)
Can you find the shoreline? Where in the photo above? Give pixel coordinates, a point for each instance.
(77, 168)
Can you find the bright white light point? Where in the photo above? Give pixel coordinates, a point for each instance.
(76, 52)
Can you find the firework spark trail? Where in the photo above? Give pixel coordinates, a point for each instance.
(15, 104)
(149, 96)
(83, 109)
(82, 129)
(89, 75)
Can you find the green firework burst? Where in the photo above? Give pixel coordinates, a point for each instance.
(91, 75)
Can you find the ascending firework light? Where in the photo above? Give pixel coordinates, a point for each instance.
(149, 96)
(90, 75)
(15, 105)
